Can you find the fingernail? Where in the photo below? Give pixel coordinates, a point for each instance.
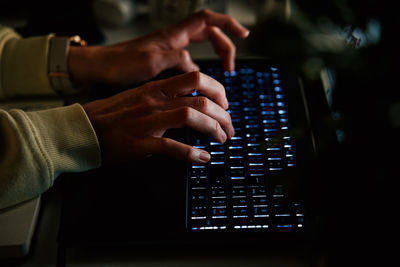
(223, 137)
(232, 133)
(226, 104)
(204, 157)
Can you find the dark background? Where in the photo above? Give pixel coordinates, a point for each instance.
(353, 190)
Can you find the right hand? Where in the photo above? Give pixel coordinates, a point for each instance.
(140, 59)
(131, 124)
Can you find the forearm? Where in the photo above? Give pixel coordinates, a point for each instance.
(36, 147)
(23, 65)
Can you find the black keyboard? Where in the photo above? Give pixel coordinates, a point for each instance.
(232, 191)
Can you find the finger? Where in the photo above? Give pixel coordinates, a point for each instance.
(224, 47)
(208, 107)
(210, 18)
(189, 117)
(188, 83)
(172, 148)
(186, 63)
(179, 59)
(194, 28)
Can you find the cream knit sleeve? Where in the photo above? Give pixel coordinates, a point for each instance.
(36, 147)
(23, 65)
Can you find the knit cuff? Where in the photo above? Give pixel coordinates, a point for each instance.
(68, 139)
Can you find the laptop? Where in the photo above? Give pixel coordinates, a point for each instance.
(253, 189)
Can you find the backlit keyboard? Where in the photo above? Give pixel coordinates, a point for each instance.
(232, 191)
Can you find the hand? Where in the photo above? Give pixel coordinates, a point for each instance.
(141, 59)
(130, 125)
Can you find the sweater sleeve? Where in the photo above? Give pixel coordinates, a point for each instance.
(35, 147)
(23, 65)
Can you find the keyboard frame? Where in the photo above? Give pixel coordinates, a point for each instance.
(295, 100)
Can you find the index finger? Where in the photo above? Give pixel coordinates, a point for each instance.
(222, 21)
(194, 27)
(191, 82)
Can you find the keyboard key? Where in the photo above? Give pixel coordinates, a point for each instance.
(258, 191)
(218, 192)
(239, 202)
(237, 171)
(238, 181)
(275, 163)
(259, 201)
(256, 158)
(239, 192)
(199, 211)
(218, 201)
(217, 212)
(260, 212)
(241, 212)
(219, 221)
(197, 222)
(237, 160)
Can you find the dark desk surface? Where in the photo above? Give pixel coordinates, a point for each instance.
(44, 249)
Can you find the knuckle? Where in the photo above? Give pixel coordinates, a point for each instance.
(233, 49)
(153, 69)
(190, 153)
(227, 119)
(151, 66)
(201, 103)
(167, 37)
(228, 50)
(204, 12)
(231, 20)
(184, 56)
(217, 127)
(186, 114)
(164, 145)
(148, 101)
(195, 77)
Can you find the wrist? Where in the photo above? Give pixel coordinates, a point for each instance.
(85, 65)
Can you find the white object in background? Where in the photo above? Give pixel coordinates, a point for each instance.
(114, 12)
(277, 9)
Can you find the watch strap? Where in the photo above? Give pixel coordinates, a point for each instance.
(58, 72)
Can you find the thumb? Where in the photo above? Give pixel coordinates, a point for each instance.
(180, 59)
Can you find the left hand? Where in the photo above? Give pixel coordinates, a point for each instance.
(141, 59)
